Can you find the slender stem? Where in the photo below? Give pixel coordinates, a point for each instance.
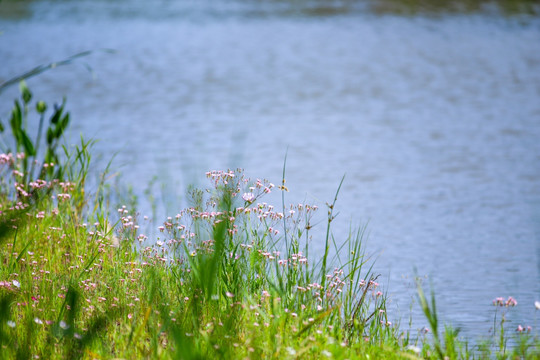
(38, 140)
(326, 246)
(283, 203)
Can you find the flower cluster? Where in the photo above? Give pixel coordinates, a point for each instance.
(500, 301)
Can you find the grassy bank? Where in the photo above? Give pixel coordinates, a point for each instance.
(229, 276)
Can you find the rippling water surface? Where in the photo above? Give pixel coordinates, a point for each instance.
(435, 120)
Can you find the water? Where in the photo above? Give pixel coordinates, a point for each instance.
(434, 120)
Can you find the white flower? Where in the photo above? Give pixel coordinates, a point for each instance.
(11, 324)
(249, 197)
(63, 325)
(16, 283)
(38, 321)
(537, 305)
(413, 348)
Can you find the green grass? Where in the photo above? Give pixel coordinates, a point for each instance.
(227, 277)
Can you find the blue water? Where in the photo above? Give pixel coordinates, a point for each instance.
(434, 120)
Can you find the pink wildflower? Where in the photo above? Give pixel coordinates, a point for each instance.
(511, 301)
(498, 301)
(248, 197)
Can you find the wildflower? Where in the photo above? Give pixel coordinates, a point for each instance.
(11, 324)
(537, 305)
(38, 321)
(248, 197)
(511, 301)
(520, 329)
(501, 302)
(64, 196)
(413, 348)
(326, 353)
(498, 301)
(16, 283)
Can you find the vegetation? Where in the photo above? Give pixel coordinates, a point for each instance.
(230, 276)
(441, 7)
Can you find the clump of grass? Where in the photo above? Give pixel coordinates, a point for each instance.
(214, 283)
(450, 346)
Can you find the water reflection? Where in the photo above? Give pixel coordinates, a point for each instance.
(166, 9)
(15, 10)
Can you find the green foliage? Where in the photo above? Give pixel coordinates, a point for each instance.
(23, 154)
(430, 311)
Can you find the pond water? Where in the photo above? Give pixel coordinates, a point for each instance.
(435, 120)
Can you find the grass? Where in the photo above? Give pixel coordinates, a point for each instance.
(227, 277)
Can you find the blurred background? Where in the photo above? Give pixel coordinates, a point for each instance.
(430, 109)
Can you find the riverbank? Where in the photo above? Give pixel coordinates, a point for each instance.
(229, 276)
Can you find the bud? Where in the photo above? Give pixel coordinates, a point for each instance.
(41, 107)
